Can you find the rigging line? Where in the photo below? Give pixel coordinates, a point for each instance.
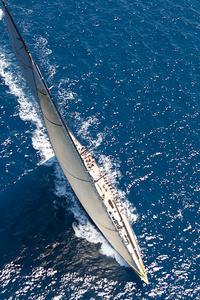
(51, 121)
(75, 176)
(107, 227)
(43, 93)
(100, 177)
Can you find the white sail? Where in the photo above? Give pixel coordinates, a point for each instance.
(67, 154)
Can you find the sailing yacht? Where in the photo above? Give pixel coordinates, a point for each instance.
(92, 187)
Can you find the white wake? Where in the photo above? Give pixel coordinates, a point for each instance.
(1, 14)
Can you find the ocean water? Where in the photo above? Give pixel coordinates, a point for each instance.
(126, 77)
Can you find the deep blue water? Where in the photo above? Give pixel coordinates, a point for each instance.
(126, 76)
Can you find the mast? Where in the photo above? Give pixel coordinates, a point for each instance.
(65, 148)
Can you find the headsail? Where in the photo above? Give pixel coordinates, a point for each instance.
(65, 148)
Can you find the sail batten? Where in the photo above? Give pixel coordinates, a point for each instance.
(68, 155)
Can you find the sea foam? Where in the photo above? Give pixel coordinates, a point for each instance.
(1, 14)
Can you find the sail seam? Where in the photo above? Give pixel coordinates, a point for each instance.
(51, 121)
(107, 228)
(74, 175)
(44, 94)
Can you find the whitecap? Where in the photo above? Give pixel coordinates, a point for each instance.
(1, 14)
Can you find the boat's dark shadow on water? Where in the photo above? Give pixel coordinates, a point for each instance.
(34, 233)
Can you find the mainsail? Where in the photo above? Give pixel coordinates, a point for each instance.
(69, 157)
